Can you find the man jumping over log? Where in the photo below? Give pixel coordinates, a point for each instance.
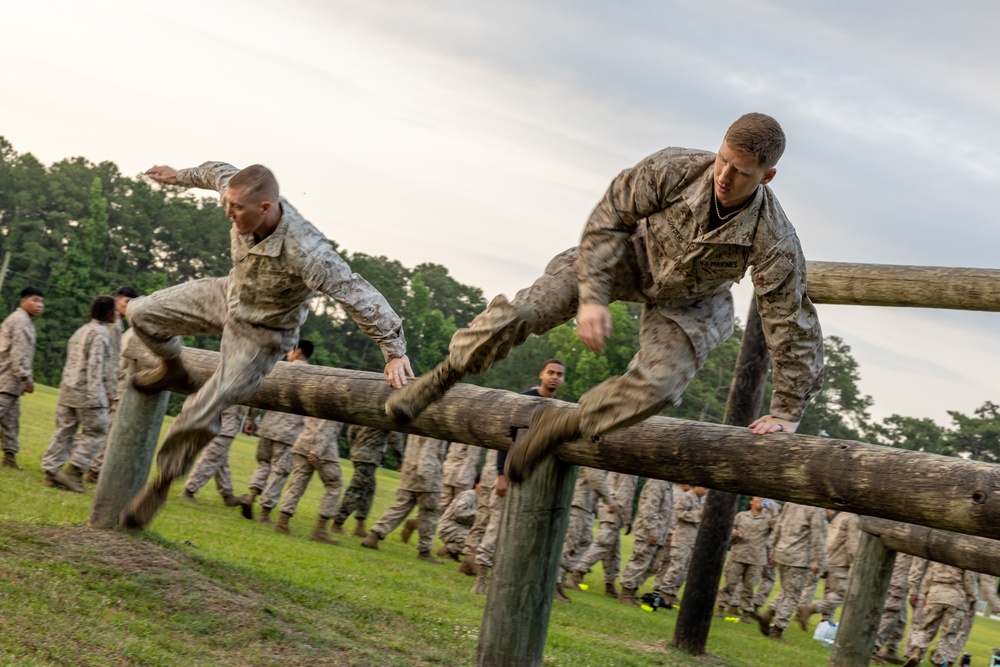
(279, 260)
(673, 233)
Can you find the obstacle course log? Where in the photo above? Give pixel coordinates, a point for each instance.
(905, 286)
(967, 552)
(914, 487)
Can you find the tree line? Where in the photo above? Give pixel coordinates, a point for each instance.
(77, 229)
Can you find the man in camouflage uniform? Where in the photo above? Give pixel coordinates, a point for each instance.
(673, 233)
(367, 449)
(456, 522)
(768, 573)
(591, 485)
(688, 509)
(948, 598)
(751, 540)
(315, 450)
(279, 260)
(486, 502)
(607, 547)
(213, 462)
(892, 624)
(459, 471)
(419, 486)
(843, 537)
(798, 546)
(88, 387)
(653, 522)
(17, 353)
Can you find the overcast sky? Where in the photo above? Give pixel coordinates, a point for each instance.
(480, 135)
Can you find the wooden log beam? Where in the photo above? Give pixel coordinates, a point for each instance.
(978, 554)
(905, 286)
(863, 602)
(914, 487)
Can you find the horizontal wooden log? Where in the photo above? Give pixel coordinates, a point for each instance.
(906, 286)
(914, 487)
(978, 554)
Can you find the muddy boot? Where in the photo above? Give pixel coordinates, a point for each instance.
(69, 478)
(359, 529)
(560, 595)
(229, 500)
(49, 480)
(429, 557)
(246, 503)
(170, 375)
(320, 533)
(444, 552)
(469, 566)
(889, 656)
(628, 596)
(733, 611)
(746, 617)
(371, 542)
(92, 476)
(337, 528)
(720, 611)
(187, 495)
(574, 581)
(802, 614)
(482, 581)
(143, 507)
(549, 426)
(265, 516)
(764, 619)
(282, 525)
(775, 633)
(408, 528)
(406, 404)
(10, 461)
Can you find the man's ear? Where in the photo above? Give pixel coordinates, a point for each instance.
(769, 176)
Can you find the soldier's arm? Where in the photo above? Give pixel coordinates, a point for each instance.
(96, 374)
(22, 354)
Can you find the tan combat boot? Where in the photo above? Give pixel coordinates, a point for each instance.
(320, 533)
(560, 594)
(246, 503)
(92, 477)
(429, 557)
(338, 528)
(775, 633)
(408, 528)
(404, 405)
(170, 374)
(574, 581)
(69, 478)
(359, 529)
(764, 619)
(265, 516)
(49, 480)
(445, 552)
(282, 525)
(803, 613)
(469, 566)
(549, 426)
(10, 461)
(482, 581)
(229, 500)
(371, 542)
(609, 590)
(628, 596)
(889, 655)
(733, 611)
(187, 495)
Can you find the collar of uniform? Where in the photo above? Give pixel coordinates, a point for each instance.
(271, 246)
(739, 230)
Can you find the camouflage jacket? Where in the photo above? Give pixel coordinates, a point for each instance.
(281, 426)
(658, 213)
(590, 482)
(799, 536)
(687, 514)
(946, 584)
(17, 352)
(751, 546)
(460, 465)
(423, 463)
(368, 444)
(90, 374)
(232, 420)
(319, 438)
(656, 511)
(622, 489)
(842, 540)
(271, 281)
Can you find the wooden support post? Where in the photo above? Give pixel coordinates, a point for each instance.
(694, 620)
(131, 445)
(866, 591)
(526, 567)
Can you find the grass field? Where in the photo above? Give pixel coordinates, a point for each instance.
(205, 587)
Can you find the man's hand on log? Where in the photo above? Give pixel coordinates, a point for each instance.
(397, 371)
(593, 325)
(768, 424)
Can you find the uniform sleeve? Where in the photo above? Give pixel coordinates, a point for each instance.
(110, 368)
(686, 510)
(468, 475)
(599, 483)
(97, 355)
(207, 176)
(817, 537)
(22, 351)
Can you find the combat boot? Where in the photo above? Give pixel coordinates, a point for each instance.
(404, 405)
(720, 611)
(187, 495)
(803, 613)
(764, 619)
(408, 528)
(359, 529)
(169, 375)
(92, 476)
(775, 633)
(445, 552)
(229, 500)
(69, 478)
(628, 596)
(371, 542)
(10, 461)
(574, 581)
(143, 507)
(746, 617)
(49, 480)
(549, 426)
(282, 525)
(560, 594)
(337, 528)
(429, 557)
(889, 655)
(482, 580)
(246, 503)
(912, 661)
(609, 590)
(733, 611)
(265, 516)
(469, 566)
(320, 533)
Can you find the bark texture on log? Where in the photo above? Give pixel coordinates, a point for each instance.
(866, 591)
(906, 286)
(978, 554)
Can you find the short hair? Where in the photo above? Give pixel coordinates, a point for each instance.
(126, 290)
(257, 181)
(306, 346)
(552, 361)
(31, 291)
(759, 135)
(102, 309)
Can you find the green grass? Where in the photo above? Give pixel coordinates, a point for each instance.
(205, 587)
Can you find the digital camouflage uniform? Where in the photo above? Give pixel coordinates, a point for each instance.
(591, 484)
(607, 547)
(687, 513)
(88, 379)
(115, 333)
(214, 459)
(278, 432)
(486, 505)
(747, 556)
(651, 527)
(319, 439)
(459, 471)
(419, 486)
(258, 308)
(768, 573)
(892, 624)
(367, 449)
(457, 520)
(17, 353)
(947, 597)
(841, 546)
(798, 543)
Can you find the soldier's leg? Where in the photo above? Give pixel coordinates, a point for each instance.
(808, 592)
(10, 418)
(405, 500)
(923, 628)
(833, 595)
(768, 575)
(793, 580)
(952, 636)
(207, 464)
(93, 432)
(734, 575)
(751, 575)
(448, 493)
(357, 497)
(637, 568)
(612, 561)
(484, 510)
(98, 462)
(281, 467)
(330, 474)
(579, 534)
(427, 519)
(488, 545)
(298, 481)
(224, 478)
(598, 550)
(61, 443)
(680, 559)
(264, 454)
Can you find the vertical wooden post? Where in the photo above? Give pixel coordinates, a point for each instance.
(866, 591)
(523, 581)
(743, 406)
(131, 445)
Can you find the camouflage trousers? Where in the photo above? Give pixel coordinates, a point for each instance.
(448, 493)
(741, 579)
(302, 472)
(579, 536)
(655, 379)
(69, 444)
(359, 494)
(484, 510)
(427, 516)
(453, 534)
(488, 544)
(768, 576)
(793, 581)
(10, 418)
(641, 565)
(98, 462)
(274, 463)
(951, 621)
(834, 591)
(607, 549)
(893, 620)
(247, 354)
(809, 588)
(212, 462)
(670, 578)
